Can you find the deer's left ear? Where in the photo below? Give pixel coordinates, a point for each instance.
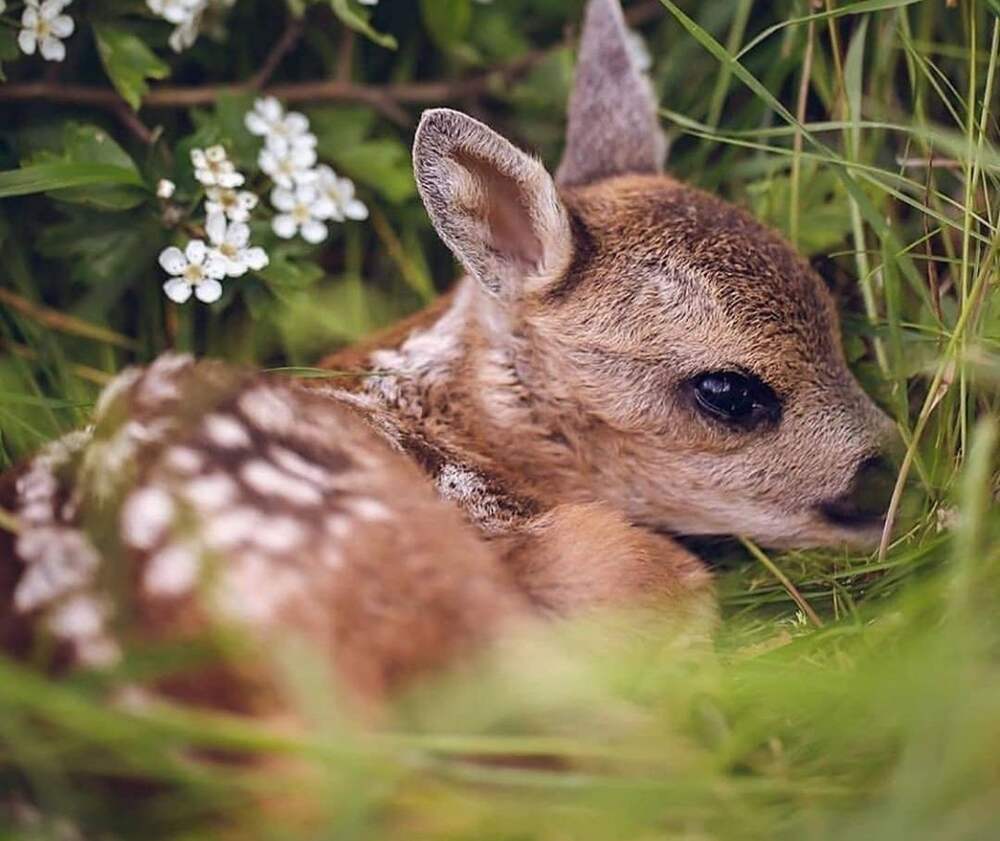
(494, 206)
(613, 127)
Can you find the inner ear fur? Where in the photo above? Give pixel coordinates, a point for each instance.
(494, 206)
(613, 126)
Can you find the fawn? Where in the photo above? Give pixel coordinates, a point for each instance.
(627, 358)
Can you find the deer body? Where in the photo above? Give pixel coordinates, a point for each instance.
(627, 357)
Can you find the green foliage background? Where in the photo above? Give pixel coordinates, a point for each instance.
(848, 695)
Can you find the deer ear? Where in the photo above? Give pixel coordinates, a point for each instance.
(613, 126)
(495, 207)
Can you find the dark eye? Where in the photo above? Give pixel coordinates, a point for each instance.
(735, 398)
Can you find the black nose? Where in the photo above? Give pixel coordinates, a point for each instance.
(866, 502)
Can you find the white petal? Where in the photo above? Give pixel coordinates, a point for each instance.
(195, 252)
(29, 20)
(255, 124)
(52, 49)
(296, 123)
(216, 154)
(26, 41)
(238, 235)
(256, 258)
(246, 200)
(231, 179)
(198, 158)
(303, 157)
(356, 209)
(215, 265)
(215, 227)
(269, 108)
(208, 291)
(314, 231)
(177, 290)
(283, 199)
(284, 226)
(323, 208)
(173, 260)
(62, 26)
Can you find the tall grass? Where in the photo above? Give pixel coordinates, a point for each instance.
(848, 695)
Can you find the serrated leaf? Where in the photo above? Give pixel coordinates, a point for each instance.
(128, 62)
(354, 19)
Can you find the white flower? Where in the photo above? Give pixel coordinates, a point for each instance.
(213, 168)
(235, 204)
(340, 192)
(186, 14)
(174, 11)
(230, 246)
(195, 270)
(280, 131)
(292, 167)
(302, 211)
(165, 188)
(44, 27)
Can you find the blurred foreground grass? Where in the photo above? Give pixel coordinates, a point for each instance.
(858, 695)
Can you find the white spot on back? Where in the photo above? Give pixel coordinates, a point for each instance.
(298, 466)
(145, 516)
(210, 492)
(227, 432)
(369, 509)
(60, 560)
(229, 529)
(184, 460)
(279, 534)
(172, 572)
(80, 616)
(266, 409)
(267, 479)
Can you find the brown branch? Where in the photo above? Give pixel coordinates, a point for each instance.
(289, 38)
(388, 99)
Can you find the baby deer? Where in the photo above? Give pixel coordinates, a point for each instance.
(627, 358)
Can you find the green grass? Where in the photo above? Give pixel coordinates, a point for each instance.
(847, 695)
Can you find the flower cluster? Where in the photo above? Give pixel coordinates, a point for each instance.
(187, 17)
(199, 269)
(44, 27)
(307, 196)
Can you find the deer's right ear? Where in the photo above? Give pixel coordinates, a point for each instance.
(613, 127)
(494, 206)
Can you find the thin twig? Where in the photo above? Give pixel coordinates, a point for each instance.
(55, 320)
(289, 38)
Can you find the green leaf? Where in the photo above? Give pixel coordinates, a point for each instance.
(447, 21)
(381, 163)
(128, 62)
(104, 251)
(39, 179)
(83, 143)
(8, 48)
(286, 274)
(359, 23)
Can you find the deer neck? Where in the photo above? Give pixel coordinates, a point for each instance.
(462, 384)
